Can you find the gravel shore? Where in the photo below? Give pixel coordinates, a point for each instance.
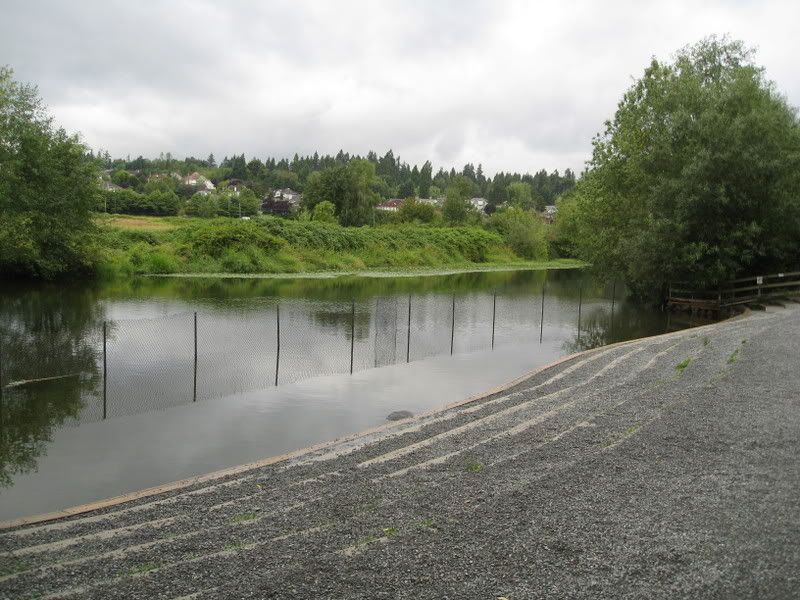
(668, 467)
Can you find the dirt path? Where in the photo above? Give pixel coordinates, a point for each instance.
(663, 468)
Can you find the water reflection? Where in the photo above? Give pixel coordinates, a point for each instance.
(48, 368)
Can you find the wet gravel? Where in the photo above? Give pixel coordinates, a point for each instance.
(618, 474)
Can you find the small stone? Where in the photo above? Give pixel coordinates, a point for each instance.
(398, 415)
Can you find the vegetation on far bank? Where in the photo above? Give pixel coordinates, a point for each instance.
(164, 245)
(696, 178)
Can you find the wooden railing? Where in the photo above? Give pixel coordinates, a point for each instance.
(745, 290)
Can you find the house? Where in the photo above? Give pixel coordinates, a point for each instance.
(197, 180)
(281, 202)
(109, 186)
(289, 195)
(437, 202)
(549, 214)
(235, 186)
(479, 203)
(391, 205)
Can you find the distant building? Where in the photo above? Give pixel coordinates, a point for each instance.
(549, 214)
(479, 203)
(391, 205)
(235, 186)
(282, 202)
(437, 202)
(197, 180)
(109, 186)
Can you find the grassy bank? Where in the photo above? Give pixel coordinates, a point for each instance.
(267, 245)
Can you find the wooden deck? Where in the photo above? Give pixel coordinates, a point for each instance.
(737, 292)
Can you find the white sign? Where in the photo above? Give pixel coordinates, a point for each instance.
(759, 280)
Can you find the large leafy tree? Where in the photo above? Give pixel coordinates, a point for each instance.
(348, 187)
(697, 177)
(48, 186)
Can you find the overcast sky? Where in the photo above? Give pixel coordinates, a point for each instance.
(513, 85)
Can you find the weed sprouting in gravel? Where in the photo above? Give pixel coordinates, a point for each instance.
(428, 524)
(249, 516)
(631, 430)
(389, 531)
(16, 566)
(681, 366)
(734, 355)
(474, 467)
(235, 546)
(142, 568)
(706, 341)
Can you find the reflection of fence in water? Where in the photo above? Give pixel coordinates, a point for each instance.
(148, 364)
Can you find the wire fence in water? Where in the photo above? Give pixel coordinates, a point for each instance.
(132, 366)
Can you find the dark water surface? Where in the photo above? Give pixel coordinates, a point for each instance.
(78, 424)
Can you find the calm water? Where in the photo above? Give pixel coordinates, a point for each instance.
(79, 424)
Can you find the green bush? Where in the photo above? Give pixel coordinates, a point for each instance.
(220, 236)
(523, 230)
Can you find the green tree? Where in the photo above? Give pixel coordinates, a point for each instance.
(48, 186)
(348, 187)
(456, 208)
(519, 194)
(406, 189)
(412, 210)
(696, 177)
(324, 212)
(425, 179)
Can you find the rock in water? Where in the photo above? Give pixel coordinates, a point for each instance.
(399, 415)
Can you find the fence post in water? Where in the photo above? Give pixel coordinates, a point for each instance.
(494, 313)
(613, 302)
(453, 325)
(105, 369)
(541, 319)
(352, 332)
(278, 334)
(375, 342)
(194, 386)
(408, 334)
(2, 421)
(580, 305)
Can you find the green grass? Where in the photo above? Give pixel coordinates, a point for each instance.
(428, 524)
(681, 366)
(474, 467)
(733, 356)
(244, 517)
(143, 568)
(706, 341)
(270, 245)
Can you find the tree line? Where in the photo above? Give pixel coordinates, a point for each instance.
(393, 177)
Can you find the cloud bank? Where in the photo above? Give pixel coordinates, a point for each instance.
(510, 84)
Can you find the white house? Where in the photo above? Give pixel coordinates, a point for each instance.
(195, 179)
(479, 203)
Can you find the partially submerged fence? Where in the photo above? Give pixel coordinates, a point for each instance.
(737, 292)
(133, 366)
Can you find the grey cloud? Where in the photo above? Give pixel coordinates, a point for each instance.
(511, 84)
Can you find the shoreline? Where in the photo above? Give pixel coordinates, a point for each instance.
(554, 265)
